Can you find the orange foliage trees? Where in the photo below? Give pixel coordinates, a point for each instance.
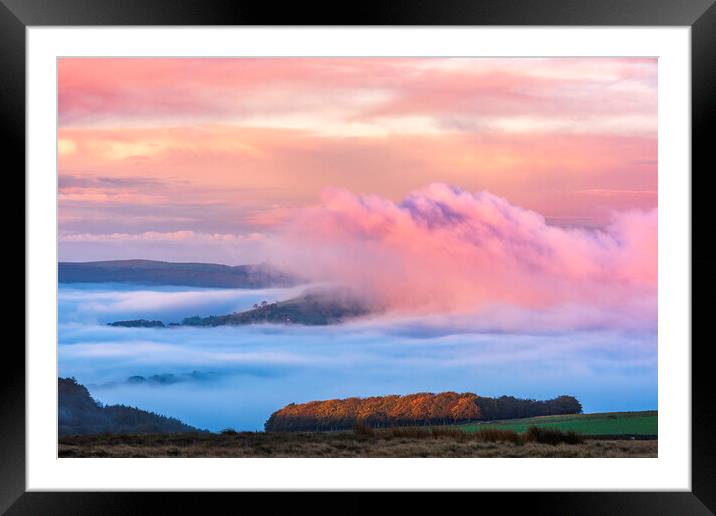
(423, 408)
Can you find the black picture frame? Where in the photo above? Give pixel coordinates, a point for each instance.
(700, 15)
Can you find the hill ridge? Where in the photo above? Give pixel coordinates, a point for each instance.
(192, 274)
(79, 413)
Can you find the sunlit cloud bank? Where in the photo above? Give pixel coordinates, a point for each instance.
(358, 96)
(443, 250)
(255, 183)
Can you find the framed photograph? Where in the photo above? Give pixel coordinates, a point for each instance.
(437, 248)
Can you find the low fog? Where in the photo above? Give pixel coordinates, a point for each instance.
(244, 373)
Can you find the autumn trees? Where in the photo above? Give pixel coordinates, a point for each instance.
(377, 411)
(413, 409)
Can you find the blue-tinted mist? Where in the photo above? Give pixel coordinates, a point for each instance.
(242, 374)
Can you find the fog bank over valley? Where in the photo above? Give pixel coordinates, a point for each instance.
(236, 376)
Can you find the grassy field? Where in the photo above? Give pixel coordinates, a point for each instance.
(336, 444)
(495, 439)
(606, 423)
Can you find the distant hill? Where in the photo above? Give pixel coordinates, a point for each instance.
(423, 408)
(138, 323)
(79, 413)
(150, 272)
(162, 379)
(315, 307)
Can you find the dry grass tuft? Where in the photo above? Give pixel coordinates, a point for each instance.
(363, 429)
(395, 442)
(551, 436)
(493, 435)
(410, 432)
(447, 432)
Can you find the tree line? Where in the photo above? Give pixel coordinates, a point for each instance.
(423, 408)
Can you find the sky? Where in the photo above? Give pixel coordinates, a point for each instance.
(498, 215)
(208, 159)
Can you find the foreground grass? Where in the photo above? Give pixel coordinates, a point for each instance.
(607, 423)
(335, 444)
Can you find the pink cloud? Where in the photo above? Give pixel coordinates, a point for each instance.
(244, 142)
(106, 88)
(444, 250)
(160, 236)
(557, 175)
(451, 92)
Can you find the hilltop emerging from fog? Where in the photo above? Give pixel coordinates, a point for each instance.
(318, 306)
(150, 272)
(315, 307)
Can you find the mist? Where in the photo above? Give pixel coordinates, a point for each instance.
(107, 302)
(254, 370)
(442, 250)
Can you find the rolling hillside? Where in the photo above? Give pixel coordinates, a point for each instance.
(79, 414)
(317, 307)
(150, 272)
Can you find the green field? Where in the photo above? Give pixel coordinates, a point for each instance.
(606, 423)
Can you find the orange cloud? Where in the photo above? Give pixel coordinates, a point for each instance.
(335, 93)
(246, 141)
(547, 173)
